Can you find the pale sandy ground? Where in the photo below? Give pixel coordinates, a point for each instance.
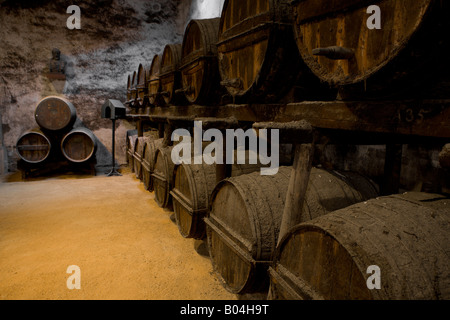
(124, 244)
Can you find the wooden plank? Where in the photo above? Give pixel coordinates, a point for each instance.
(392, 169)
(426, 118)
(298, 184)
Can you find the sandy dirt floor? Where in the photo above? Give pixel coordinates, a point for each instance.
(125, 246)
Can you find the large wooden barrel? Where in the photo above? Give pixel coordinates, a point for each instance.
(245, 218)
(258, 58)
(192, 189)
(338, 46)
(55, 114)
(148, 162)
(405, 236)
(163, 177)
(170, 75)
(34, 146)
(154, 84)
(79, 145)
(142, 87)
(199, 65)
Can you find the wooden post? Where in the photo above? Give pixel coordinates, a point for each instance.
(113, 172)
(161, 130)
(140, 128)
(168, 130)
(298, 184)
(223, 170)
(392, 169)
(3, 152)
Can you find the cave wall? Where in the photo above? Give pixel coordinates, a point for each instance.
(115, 37)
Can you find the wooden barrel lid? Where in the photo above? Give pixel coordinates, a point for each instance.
(33, 146)
(79, 145)
(55, 114)
(337, 45)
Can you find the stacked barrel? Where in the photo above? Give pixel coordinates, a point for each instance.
(283, 51)
(265, 51)
(141, 155)
(55, 139)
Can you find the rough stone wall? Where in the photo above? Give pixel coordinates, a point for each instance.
(115, 37)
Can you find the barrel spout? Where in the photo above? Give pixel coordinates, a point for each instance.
(233, 83)
(334, 53)
(185, 90)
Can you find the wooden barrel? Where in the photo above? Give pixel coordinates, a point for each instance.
(154, 84)
(128, 90)
(163, 177)
(405, 236)
(138, 154)
(258, 58)
(131, 143)
(170, 75)
(142, 87)
(55, 114)
(192, 189)
(148, 162)
(34, 146)
(245, 218)
(199, 65)
(335, 42)
(133, 101)
(79, 145)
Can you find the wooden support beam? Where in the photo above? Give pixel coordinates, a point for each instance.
(161, 130)
(140, 128)
(223, 170)
(303, 136)
(421, 118)
(392, 169)
(168, 130)
(298, 184)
